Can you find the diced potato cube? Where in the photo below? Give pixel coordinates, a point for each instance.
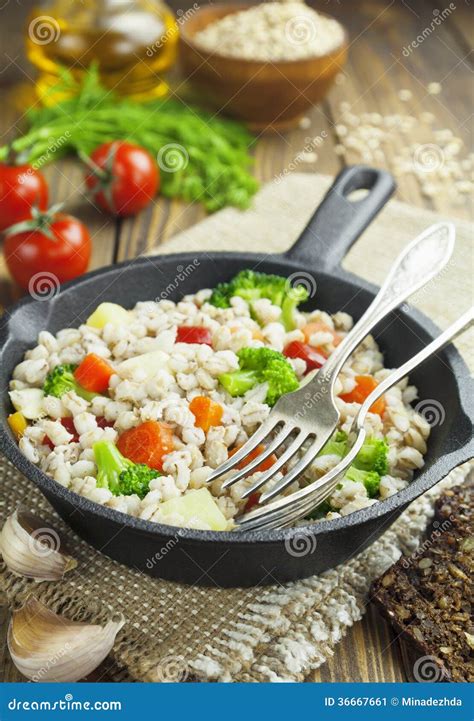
(196, 505)
(145, 365)
(29, 402)
(109, 313)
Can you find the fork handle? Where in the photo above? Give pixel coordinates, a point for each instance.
(459, 326)
(419, 263)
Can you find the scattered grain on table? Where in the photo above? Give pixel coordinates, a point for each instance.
(435, 156)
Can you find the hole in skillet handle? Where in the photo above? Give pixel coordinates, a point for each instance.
(341, 218)
(355, 195)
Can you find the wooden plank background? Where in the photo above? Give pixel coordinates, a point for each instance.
(375, 73)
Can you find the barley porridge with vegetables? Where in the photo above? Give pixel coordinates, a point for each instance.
(135, 408)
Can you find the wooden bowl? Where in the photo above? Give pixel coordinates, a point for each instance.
(264, 95)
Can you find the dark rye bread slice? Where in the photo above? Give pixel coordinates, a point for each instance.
(428, 596)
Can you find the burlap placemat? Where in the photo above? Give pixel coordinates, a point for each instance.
(276, 633)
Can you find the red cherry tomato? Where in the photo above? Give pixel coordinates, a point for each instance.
(68, 424)
(123, 177)
(21, 188)
(252, 501)
(193, 334)
(103, 422)
(48, 249)
(297, 349)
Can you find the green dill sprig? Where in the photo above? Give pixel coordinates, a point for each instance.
(203, 158)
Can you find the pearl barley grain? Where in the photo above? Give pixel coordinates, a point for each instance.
(369, 137)
(271, 32)
(434, 88)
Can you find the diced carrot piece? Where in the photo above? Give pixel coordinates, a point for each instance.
(365, 386)
(17, 423)
(94, 374)
(147, 443)
(206, 411)
(318, 326)
(264, 466)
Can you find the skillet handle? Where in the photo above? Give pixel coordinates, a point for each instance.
(338, 221)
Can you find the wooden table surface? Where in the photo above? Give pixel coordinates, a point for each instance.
(376, 72)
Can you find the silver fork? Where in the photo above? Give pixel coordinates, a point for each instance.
(286, 511)
(311, 411)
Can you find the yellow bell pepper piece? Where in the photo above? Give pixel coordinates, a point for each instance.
(17, 423)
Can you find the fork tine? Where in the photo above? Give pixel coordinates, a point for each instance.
(275, 519)
(287, 510)
(254, 440)
(275, 514)
(270, 518)
(248, 468)
(293, 473)
(289, 507)
(293, 448)
(292, 512)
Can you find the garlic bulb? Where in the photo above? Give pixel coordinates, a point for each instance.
(47, 647)
(33, 549)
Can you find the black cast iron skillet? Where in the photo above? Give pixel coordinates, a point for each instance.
(244, 559)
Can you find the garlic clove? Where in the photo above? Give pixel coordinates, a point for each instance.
(33, 549)
(45, 646)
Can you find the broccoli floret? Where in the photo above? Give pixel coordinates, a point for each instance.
(373, 456)
(252, 285)
(238, 382)
(120, 475)
(370, 464)
(136, 479)
(370, 479)
(293, 298)
(281, 379)
(336, 446)
(261, 365)
(257, 359)
(61, 380)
